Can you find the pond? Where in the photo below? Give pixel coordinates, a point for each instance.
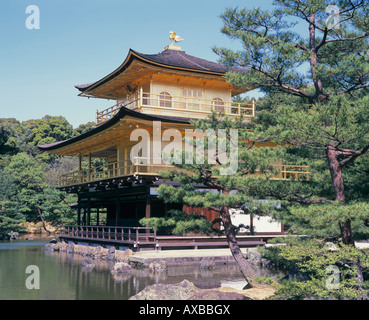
(62, 276)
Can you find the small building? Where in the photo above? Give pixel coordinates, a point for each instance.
(153, 93)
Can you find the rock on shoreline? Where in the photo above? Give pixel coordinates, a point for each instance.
(185, 290)
(97, 252)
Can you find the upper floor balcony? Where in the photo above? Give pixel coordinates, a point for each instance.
(177, 106)
(126, 168)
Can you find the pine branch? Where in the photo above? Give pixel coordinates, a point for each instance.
(357, 154)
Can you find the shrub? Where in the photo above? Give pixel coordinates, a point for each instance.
(334, 272)
(179, 223)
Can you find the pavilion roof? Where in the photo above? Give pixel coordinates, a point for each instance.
(123, 112)
(170, 59)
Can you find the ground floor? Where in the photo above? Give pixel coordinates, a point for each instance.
(109, 213)
(125, 206)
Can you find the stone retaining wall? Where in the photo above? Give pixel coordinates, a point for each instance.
(97, 252)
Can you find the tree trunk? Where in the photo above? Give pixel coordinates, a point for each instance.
(245, 267)
(339, 192)
(42, 219)
(346, 233)
(336, 174)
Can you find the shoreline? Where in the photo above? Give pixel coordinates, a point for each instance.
(161, 261)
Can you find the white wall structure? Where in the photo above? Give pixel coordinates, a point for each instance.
(262, 224)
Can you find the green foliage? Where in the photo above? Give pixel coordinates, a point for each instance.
(28, 179)
(9, 131)
(27, 172)
(316, 82)
(55, 205)
(178, 223)
(265, 280)
(323, 220)
(10, 217)
(159, 225)
(334, 273)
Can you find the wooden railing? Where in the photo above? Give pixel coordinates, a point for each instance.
(127, 168)
(105, 233)
(196, 107)
(290, 172)
(111, 170)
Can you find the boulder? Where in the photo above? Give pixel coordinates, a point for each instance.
(253, 255)
(88, 263)
(70, 248)
(330, 246)
(121, 267)
(111, 253)
(51, 247)
(184, 290)
(98, 252)
(179, 291)
(218, 295)
(158, 266)
(123, 256)
(63, 246)
(13, 235)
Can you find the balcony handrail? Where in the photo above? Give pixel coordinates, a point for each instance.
(141, 99)
(131, 234)
(127, 168)
(111, 170)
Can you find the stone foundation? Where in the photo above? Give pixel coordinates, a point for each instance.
(97, 252)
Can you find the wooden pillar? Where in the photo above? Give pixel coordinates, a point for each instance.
(80, 167)
(148, 203)
(89, 211)
(84, 217)
(125, 171)
(251, 224)
(79, 211)
(89, 168)
(97, 216)
(79, 215)
(117, 209)
(119, 164)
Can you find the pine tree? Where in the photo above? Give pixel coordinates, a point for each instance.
(325, 68)
(225, 164)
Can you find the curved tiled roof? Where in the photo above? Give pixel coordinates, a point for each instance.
(123, 112)
(173, 59)
(180, 59)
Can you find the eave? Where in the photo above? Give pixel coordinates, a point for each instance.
(107, 134)
(138, 60)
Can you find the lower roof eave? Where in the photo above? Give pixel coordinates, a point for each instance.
(123, 112)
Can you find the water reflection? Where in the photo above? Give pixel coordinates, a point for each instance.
(122, 286)
(63, 276)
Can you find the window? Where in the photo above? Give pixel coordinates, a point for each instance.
(165, 100)
(192, 93)
(218, 105)
(192, 99)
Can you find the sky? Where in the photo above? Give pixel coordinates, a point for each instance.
(82, 41)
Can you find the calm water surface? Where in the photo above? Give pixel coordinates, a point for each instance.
(62, 277)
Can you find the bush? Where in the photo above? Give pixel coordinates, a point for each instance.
(334, 272)
(179, 223)
(159, 225)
